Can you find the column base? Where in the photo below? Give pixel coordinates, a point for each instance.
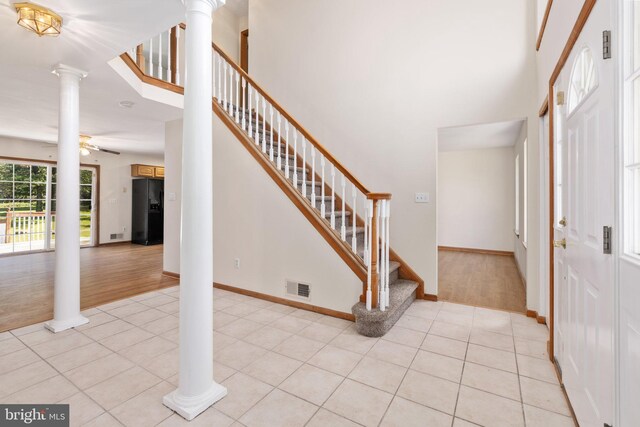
(56, 326)
(190, 407)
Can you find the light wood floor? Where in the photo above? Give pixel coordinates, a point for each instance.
(108, 273)
(481, 280)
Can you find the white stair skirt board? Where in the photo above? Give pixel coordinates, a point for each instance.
(191, 407)
(56, 326)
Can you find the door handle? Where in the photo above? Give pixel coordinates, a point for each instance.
(560, 243)
(563, 221)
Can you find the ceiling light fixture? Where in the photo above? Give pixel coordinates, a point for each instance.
(126, 104)
(38, 19)
(84, 141)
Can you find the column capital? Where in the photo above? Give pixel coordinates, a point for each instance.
(197, 5)
(60, 69)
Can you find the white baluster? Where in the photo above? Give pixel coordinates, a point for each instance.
(383, 296)
(377, 234)
(213, 74)
(333, 196)
(237, 97)
(250, 115)
(151, 57)
(295, 156)
(388, 246)
(160, 56)
(343, 227)
(354, 241)
(224, 93)
(271, 133)
(286, 154)
(229, 107)
(367, 231)
(264, 125)
(304, 166)
(257, 134)
(170, 63)
(313, 177)
(244, 122)
(323, 209)
(220, 93)
(177, 65)
(279, 142)
(368, 220)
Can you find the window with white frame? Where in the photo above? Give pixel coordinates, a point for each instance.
(517, 219)
(631, 181)
(28, 205)
(525, 192)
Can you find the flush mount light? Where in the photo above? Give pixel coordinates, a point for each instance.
(38, 19)
(126, 104)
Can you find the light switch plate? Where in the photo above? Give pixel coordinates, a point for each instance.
(422, 198)
(171, 197)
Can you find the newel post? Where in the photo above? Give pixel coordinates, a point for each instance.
(140, 57)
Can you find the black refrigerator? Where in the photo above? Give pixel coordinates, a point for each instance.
(147, 222)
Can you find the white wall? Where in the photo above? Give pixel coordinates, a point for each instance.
(373, 82)
(225, 32)
(115, 180)
(476, 200)
(562, 17)
(253, 220)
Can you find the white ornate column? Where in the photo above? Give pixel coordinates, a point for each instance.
(66, 305)
(196, 388)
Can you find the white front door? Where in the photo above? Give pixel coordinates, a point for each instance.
(585, 279)
(629, 235)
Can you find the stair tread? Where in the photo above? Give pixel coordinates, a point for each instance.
(400, 291)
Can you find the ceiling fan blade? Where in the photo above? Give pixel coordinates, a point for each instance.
(108, 151)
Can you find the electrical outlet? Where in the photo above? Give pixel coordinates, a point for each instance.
(124, 228)
(422, 198)
(236, 262)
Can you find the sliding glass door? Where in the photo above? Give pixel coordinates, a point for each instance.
(28, 206)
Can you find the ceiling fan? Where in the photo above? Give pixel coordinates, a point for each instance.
(85, 146)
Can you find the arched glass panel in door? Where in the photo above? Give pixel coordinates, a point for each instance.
(584, 79)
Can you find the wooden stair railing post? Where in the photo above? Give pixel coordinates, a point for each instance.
(173, 49)
(140, 58)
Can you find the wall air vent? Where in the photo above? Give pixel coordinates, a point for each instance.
(298, 290)
(116, 236)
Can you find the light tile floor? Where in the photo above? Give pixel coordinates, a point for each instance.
(442, 365)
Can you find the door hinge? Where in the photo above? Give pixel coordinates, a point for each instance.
(606, 44)
(606, 240)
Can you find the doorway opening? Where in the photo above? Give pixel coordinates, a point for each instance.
(482, 221)
(244, 51)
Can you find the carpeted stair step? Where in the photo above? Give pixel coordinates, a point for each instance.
(376, 323)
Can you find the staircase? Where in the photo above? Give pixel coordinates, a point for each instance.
(353, 220)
